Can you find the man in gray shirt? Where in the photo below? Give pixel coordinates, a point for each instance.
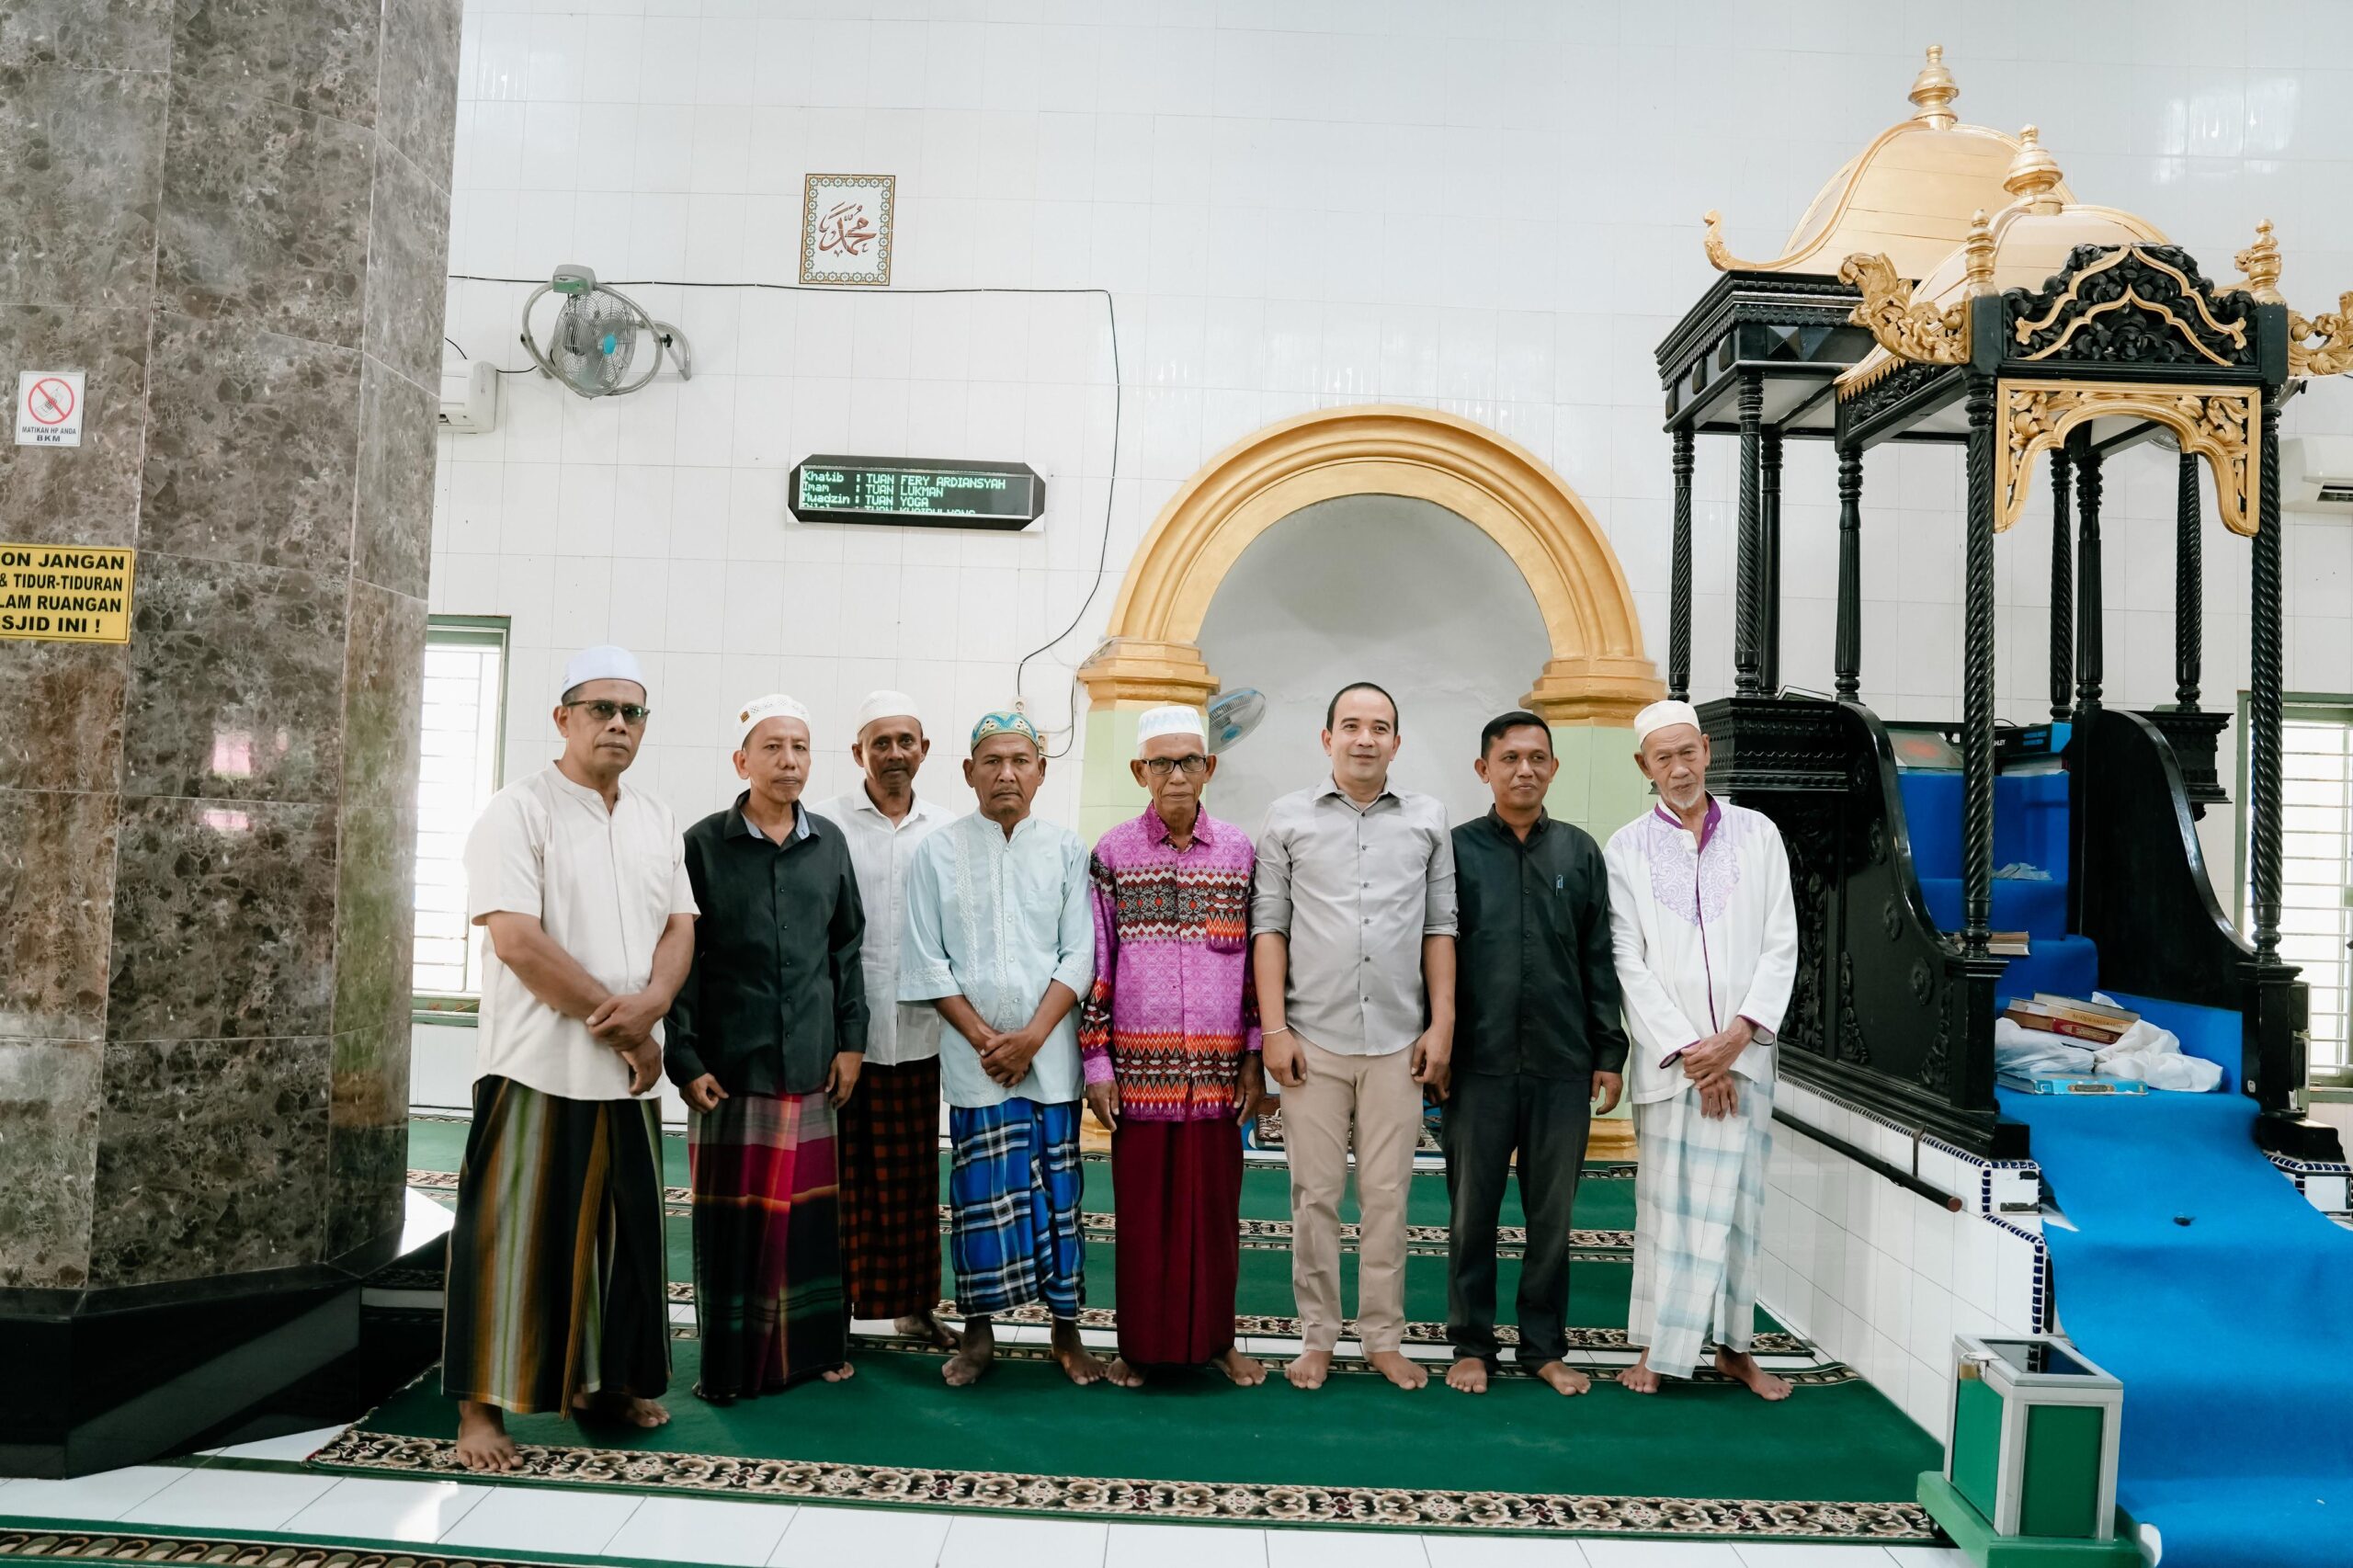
(1352, 925)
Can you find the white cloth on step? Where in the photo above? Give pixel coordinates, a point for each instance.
(2034, 1055)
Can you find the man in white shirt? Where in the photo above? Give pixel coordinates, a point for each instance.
(1000, 939)
(1705, 936)
(557, 1267)
(890, 1127)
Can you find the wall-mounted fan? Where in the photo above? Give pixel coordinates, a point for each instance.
(1234, 716)
(598, 330)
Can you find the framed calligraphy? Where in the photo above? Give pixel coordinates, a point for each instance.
(846, 223)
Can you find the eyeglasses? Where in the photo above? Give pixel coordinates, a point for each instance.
(632, 714)
(1194, 764)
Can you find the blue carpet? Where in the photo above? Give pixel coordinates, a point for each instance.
(2230, 1332)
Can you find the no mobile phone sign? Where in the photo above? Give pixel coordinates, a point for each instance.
(48, 408)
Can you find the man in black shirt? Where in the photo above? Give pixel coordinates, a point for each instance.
(765, 1039)
(1537, 1040)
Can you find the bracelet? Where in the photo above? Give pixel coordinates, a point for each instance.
(1278, 1029)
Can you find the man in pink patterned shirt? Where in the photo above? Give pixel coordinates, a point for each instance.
(1170, 1038)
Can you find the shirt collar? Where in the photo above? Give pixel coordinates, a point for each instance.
(919, 808)
(739, 824)
(1156, 830)
(1543, 820)
(582, 792)
(1708, 825)
(1332, 787)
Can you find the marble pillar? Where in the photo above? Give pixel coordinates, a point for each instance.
(234, 215)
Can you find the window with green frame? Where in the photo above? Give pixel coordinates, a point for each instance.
(464, 718)
(2315, 867)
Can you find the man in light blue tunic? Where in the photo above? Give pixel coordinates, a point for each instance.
(1000, 938)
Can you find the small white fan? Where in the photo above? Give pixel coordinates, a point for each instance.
(594, 341)
(1234, 716)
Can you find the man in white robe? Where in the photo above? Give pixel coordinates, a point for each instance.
(1705, 936)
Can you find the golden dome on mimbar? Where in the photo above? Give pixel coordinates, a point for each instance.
(1907, 196)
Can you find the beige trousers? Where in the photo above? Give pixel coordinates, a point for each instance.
(1378, 1096)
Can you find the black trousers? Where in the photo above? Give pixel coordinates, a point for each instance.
(1489, 1118)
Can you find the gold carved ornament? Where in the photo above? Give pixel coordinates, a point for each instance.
(1906, 328)
(2212, 423)
(2332, 355)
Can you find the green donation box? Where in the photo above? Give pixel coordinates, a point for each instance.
(2030, 1439)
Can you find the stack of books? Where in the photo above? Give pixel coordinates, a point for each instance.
(2094, 1023)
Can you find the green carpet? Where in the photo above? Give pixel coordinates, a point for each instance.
(1837, 1460)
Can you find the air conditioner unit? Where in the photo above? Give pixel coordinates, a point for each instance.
(2316, 474)
(468, 398)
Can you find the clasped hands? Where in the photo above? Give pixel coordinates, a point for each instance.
(1708, 1064)
(1006, 1054)
(625, 1022)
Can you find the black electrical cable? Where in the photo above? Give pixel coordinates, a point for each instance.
(1118, 410)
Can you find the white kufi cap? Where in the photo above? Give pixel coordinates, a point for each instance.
(604, 661)
(775, 705)
(1663, 716)
(887, 705)
(1175, 719)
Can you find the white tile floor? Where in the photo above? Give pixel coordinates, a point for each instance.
(530, 1520)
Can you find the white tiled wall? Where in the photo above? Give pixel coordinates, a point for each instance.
(1881, 1278)
(1488, 207)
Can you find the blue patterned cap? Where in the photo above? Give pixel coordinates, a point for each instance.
(1003, 723)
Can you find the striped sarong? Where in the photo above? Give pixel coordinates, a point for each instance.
(1699, 1216)
(768, 1304)
(556, 1261)
(1013, 1192)
(890, 1156)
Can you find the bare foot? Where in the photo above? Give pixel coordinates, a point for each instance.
(1119, 1374)
(973, 1354)
(643, 1413)
(840, 1374)
(1639, 1377)
(1398, 1369)
(928, 1327)
(482, 1443)
(1309, 1369)
(1078, 1363)
(1469, 1374)
(1742, 1368)
(1564, 1378)
(1247, 1371)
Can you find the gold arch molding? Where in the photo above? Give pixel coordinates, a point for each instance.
(1597, 674)
(2216, 423)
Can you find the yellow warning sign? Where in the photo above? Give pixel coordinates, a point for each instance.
(65, 593)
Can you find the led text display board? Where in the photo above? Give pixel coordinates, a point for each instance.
(928, 491)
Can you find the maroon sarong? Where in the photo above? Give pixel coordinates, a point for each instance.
(1177, 1186)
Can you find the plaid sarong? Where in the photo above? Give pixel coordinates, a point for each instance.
(768, 1302)
(1699, 1215)
(556, 1261)
(1014, 1189)
(889, 1157)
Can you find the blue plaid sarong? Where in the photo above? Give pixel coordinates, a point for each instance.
(1014, 1191)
